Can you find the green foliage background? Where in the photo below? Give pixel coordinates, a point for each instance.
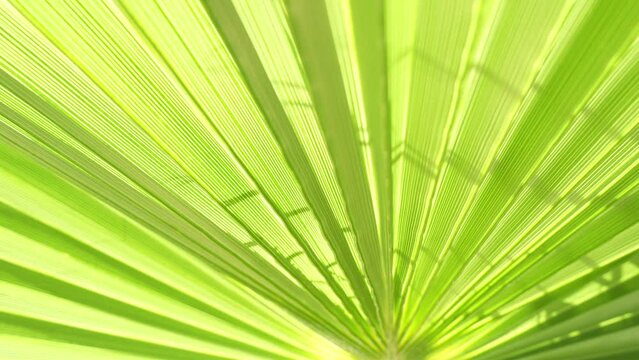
(319, 179)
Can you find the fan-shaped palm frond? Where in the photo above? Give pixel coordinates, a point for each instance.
(319, 179)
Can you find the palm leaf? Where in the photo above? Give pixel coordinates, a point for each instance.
(319, 179)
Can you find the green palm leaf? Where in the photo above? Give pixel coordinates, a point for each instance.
(332, 179)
